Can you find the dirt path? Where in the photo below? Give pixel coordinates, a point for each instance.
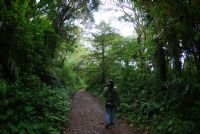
(86, 117)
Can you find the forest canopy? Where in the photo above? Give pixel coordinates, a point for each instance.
(35, 81)
(156, 72)
(43, 62)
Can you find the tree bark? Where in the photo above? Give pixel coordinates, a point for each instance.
(103, 63)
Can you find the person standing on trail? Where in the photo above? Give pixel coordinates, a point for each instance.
(111, 103)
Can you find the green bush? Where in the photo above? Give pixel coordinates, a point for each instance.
(33, 110)
(157, 108)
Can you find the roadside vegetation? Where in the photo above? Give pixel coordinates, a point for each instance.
(42, 63)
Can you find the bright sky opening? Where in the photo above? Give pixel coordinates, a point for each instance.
(105, 13)
(108, 15)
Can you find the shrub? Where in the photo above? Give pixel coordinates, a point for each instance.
(33, 110)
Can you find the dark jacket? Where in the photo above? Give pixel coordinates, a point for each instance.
(111, 96)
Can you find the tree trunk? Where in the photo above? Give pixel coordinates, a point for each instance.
(103, 77)
(161, 63)
(176, 55)
(163, 67)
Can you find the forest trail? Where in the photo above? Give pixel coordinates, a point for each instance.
(86, 117)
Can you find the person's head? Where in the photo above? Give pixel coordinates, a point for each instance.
(111, 84)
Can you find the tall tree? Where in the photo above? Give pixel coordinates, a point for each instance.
(102, 43)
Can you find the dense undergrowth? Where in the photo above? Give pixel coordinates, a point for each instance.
(37, 108)
(36, 79)
(157, 71)
(157, 108)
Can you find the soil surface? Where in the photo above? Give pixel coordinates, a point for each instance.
(87, 117)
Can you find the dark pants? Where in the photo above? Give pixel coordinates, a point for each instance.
(110, 115)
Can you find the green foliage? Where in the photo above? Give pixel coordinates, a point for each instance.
(154, 92)
(35, 81)
(172, 124)
(156, 74)
(33, 110)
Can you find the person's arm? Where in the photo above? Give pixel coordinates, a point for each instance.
(103, 93)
